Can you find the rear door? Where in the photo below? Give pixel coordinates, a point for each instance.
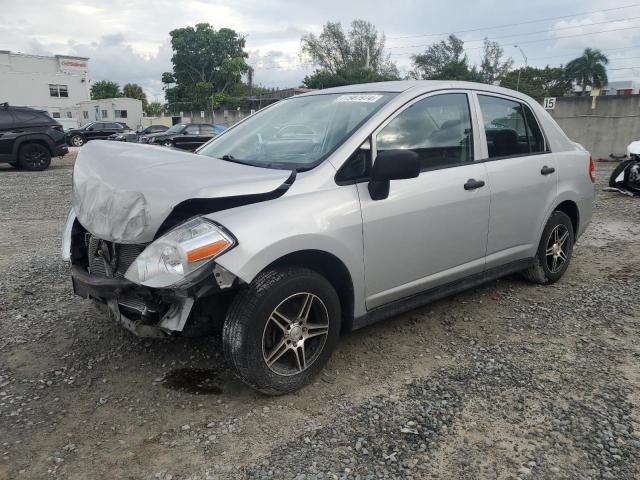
(7, 133)
(522, 175)
(431, 230)
(94, 131)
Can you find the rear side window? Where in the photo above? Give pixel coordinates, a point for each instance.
(6, 119)
(31, 117)
(207, 129)
(510, 127)
(192, 129)
(437, 128)
(536, 139)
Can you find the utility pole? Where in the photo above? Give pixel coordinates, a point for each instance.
(520, 70)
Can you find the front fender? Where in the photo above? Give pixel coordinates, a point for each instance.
(327, 220)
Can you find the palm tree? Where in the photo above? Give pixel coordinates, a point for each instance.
(589, 69)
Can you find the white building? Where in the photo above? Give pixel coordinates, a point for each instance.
(55, 84)
(121, 109)
(623, 87)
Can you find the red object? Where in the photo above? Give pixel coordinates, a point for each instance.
(592, 170)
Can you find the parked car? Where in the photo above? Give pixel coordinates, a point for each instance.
(186, 136)
(137, 136)
(382, 198)
(94, 131)
(29, 137)
(67, 123)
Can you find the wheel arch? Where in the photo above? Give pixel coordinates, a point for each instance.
(28, 139)
(573, 212)
(330, 267)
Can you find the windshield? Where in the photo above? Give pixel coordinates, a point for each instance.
(297, 133)
(176, 128)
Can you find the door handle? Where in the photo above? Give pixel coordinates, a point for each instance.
(547, 170)
(472, 184)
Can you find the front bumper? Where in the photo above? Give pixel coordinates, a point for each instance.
(135, 307)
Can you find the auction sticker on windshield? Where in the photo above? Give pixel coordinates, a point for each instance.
(359, 98)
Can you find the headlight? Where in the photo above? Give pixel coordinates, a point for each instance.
(175, 256)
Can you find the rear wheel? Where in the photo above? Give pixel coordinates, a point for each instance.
(554, 252)
(281, 329)
(34, 157)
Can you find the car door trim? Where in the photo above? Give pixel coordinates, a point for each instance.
(411, 302)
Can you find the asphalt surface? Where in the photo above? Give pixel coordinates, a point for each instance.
(510, 380)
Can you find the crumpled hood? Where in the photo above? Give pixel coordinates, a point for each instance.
(122, 192)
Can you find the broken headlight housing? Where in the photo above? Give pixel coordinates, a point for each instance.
(178, 254)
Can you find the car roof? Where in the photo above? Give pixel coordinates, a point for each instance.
(416, 86)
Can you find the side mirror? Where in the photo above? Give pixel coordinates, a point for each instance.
(392, 165)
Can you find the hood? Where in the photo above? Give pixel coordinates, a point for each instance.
(123, 192)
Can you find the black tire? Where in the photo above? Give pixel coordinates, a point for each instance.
(246, 328)
(77, 141)
(34, 157)
(14, 164)
(618, 170)
(541, 271)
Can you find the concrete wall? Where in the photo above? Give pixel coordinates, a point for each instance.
(25, 79)
(603, 125)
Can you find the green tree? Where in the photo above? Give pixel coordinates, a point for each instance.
(345, 58)
(444, 60)
(492, 67)
(105, 89)
(589, 70)
(205, 62)
(538, 82)
(154, 109)
(133, 90)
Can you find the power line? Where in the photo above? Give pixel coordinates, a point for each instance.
(515, 24)
(540, 40)
(531, 33)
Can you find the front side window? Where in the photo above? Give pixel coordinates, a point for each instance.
(296, 133)
(508, 132)
(192, 129)
(437, 128)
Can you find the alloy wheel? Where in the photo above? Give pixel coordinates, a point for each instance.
(34, 158)
(557, 250)
(295, 334)
(77, 141)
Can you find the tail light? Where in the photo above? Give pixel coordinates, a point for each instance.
(592, 170)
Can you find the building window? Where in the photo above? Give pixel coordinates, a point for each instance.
(69, 115)
(85, 114)
(120, 113)
(58, 91)
(104, 114)
(56, 114)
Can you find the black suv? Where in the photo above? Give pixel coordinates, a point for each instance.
(187, 136)
(29, 138)
(77, 137)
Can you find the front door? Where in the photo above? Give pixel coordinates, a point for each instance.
(523, 178)
(431, 230)
(189, 139)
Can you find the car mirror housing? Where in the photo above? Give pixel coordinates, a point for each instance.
(392, 165)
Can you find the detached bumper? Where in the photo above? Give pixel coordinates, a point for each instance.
(133, 306)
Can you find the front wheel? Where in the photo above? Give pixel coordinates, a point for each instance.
(554, 252)
(167, 143)
(281, 329)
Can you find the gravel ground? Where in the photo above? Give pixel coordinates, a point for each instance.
(509, 380)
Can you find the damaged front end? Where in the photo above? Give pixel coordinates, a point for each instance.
(102, 271)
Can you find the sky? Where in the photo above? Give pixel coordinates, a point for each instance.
(128, 40)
